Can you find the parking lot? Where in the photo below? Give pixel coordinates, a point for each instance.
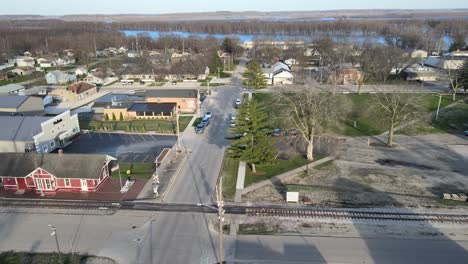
(125, 147)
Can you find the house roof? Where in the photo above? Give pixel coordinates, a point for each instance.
(174, 93)
(82, 166)
(12, 101)
(5, 89)
(20, 128)
(153, 107)
(80, 87)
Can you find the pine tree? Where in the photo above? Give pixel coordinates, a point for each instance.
(215, 63)
(255, 76)
(463, 75)
(113, 117)
(121, 117)
(254, 147)
(106, 117)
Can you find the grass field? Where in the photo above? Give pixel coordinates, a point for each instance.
(160, 126)
(24, 78)
(229, 173)
(362, 120)
(46, 258)
(139, 170)
(267, 171)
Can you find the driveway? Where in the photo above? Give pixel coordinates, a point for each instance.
(125, 147)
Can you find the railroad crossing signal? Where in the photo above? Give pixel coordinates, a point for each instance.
(128, 172)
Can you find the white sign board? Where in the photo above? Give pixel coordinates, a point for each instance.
(292, 197)
(115, 168)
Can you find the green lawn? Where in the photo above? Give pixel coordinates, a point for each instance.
(160, 126)
(64, 68)
(229, 174)
(139, 170)
(211, 84)
(267, 171)
(23, 78)
(43, 258)
(362, 120)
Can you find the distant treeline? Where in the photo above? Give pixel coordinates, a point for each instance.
(55, 35)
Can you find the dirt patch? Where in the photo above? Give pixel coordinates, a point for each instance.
(415, 174)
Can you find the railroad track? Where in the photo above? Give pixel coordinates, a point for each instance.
(356, 214)
(267, 211)
(60, 204)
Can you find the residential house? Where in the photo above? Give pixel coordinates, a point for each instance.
(452, 63)
(421, 54)
(37, 133)
(81, 71)
(290, 62)
(23, 71)
(65, 61)
(133, 54)
(141, 110)
(418, 72)
(46, 63)
(74, 93)
(24, 61)
(279, 74)
(349, 76)
(59, 77)
(6, 65)
(11, 89)
(27, 54)
(51, 173)
(20, 105)
(186, 100)
(3, 76)
(311, 52)
(99, 78)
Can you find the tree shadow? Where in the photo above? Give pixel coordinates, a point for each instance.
(424, 243)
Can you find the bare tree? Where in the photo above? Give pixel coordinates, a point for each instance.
(310, 112)
(398, 108)
(454, 79)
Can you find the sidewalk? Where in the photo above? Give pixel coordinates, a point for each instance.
(285, 175)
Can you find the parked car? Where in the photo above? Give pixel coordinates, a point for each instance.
(205, 121)
(200, 128)
(232, 123)
(276, 132)
(237, 103)
(174, 82)
(132, 92)
(232, 117)
(208, 115)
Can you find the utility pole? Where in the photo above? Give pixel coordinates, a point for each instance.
(54, 233)
(221, 218)
(95, 48)
(218, 72)
(177, 128)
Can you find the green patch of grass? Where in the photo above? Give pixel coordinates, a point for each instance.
(64, 68)
(23, 78)
(276, 167)
(324, 166)
(211, 84)
(139, 170)
(197, 121)
(157, 84)
(41, 258)
(450, 202)
(229, 174)
(257, 229)
(160, 126)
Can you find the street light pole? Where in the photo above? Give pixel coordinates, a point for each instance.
(221, 218)
(438, 107)
(54, 233)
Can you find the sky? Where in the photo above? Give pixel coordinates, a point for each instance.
(65, 7)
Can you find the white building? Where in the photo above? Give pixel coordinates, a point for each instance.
(279, 74)
(452, 63)
(24, 61)
(419, 54)
(59, 77)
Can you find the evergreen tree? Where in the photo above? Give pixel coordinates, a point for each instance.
(215, 63)
(463, 75)
(106, 117)
(255, 76)
(121, 117)
(458, 43)
(254, 147)
(113, 117)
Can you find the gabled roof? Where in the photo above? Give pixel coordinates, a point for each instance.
(80, 87)
(81, 166)
(12, 101)
(174, 93)
(5, 89)
(20, 128)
